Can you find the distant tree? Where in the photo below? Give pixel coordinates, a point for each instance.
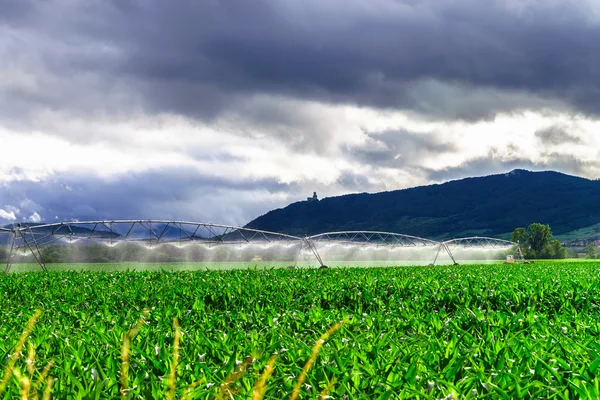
(572, 253)
(554, 249)
(560, 251)
(590, 251)
(536, 242)
(539, 237)
(520, 236)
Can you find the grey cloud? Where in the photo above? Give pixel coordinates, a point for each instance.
(14, 10)
(482, 166)
(556, 135)
(570, 164)
(197, 57)
(169, 194)
(354, 182)
(399, 149)
(166, 194)
(217, 61)
(302, 127)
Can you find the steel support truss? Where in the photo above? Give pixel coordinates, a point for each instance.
(23, 238)
(387, 240)
(31, 238)
(149, 232)
(479, 242)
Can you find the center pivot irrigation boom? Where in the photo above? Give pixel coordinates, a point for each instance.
(480, 243)
(32, 238)
(148, 232)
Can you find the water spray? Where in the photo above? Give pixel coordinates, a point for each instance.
(239, 242)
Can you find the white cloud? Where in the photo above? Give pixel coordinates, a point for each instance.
(7, 215)
(35, 217)
(311, 150)
(13, 209)
(236, 146)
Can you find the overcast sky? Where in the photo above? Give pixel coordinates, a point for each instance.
(220, 110)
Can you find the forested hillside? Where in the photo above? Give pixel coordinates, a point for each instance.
(491, 205)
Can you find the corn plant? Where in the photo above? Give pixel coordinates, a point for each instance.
(477, 331)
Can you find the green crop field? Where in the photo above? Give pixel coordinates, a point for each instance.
(476, 331)
(225, 265)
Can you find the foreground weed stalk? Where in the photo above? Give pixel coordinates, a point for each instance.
(261, 386)
(8, 371)
(49, 384)
(125, 352)
(325, 392)
(25, 386)
(315, 353)
(30, 359)
(188, 391)
(173, 372)
(237, 374)
(45, 372)
(42, 378)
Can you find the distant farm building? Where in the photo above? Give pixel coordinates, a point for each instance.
(313, 198)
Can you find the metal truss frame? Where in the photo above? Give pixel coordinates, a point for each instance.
(150, 232)
(378, 239)
(154, 232)
(372, 238)
(480, 242)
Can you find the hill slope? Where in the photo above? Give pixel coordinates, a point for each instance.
(492, 205)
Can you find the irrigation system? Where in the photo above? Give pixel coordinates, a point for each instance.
(31, 239)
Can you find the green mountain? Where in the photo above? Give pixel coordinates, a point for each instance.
(492, 206)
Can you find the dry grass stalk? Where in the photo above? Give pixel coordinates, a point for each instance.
(237, 374)
(315, 353)
(261, 386)
(30, 359)
(188, 391)
(125, 352)
(173, 372)
(25, 386)
(49, 384)
(8, 371)
(44, 373)
(325, 392)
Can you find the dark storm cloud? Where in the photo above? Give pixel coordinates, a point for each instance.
(101, 71)
(375, 56)
(168, 194)
(399, 148)
(14, 10)
(461, 59)
(557, 135)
